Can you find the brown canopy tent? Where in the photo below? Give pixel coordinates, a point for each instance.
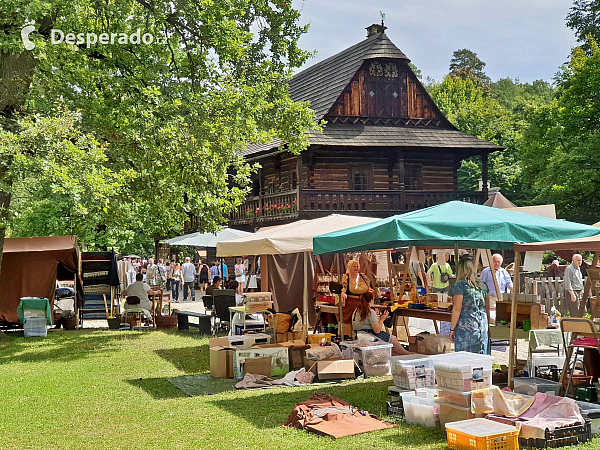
(30, 268)
(590, 244)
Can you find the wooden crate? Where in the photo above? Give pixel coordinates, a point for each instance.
(531, 311)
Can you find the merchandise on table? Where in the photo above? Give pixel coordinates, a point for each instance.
(419, 411)
(481, 434)
(412, 371)
(463, 371)
(531, 385)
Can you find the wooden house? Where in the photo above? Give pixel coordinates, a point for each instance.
(386, 148)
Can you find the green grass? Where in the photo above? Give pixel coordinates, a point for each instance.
(109, 389)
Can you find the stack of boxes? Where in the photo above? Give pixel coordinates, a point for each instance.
(413, 371)
(457, 375)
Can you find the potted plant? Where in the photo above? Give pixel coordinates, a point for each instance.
(69, 320)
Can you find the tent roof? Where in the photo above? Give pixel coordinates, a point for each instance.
(590, 244)
(207, 239)
(296, 237)
(40, 244)
(499, 201)
(465, 224)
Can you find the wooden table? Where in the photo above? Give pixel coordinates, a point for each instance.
(443, 316)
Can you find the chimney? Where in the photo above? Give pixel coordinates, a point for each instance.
(375, 29)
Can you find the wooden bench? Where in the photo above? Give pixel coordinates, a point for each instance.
(203, 325)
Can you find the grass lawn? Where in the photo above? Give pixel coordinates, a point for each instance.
(109, 389)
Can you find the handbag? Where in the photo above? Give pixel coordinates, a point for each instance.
(444, 277)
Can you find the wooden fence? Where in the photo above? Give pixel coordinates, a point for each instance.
(551, 292)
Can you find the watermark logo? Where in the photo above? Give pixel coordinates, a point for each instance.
(25, 32)
(90, 39)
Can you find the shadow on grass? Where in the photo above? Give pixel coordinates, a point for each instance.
(60, 346)
(270, 409)
(158, 388)
(187, 359)
(408, 435)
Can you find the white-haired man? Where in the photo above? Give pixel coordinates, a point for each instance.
(503, 279)
(573, 278)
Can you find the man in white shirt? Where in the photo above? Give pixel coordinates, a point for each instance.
(573, 278)
(503, 279)
(189, 274)
(139, 289)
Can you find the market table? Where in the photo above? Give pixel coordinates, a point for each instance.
(442, 316)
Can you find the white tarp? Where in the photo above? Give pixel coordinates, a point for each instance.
(207, 239)
(296, 237)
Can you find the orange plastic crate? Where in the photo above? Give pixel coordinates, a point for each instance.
(481, 434)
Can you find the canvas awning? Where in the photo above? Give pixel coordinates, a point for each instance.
(453, 223)
(498, 200)
(207, 239)
(296, 237)
(590, 244)
(30, 268)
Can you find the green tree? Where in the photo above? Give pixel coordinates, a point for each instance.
(176, 111)
(584, 19)
(466, 64)
(561, 157)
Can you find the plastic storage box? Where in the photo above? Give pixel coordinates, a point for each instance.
(454, 397)
(544, 361)
(452, 413)
(591, 411)
(413, 371)
(531, 385)
(481, 434)
(419, 411)
(374, 360)
(35, 327)
(463, 371)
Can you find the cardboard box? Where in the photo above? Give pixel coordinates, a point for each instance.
(259, 365)
(412, 344)
(221, 362)
(289, 336)
(280, 362)
(334, 369)
(297, 354)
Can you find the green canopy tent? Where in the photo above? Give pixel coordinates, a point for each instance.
(453, 223)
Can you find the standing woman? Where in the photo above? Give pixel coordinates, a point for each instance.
(471, 310)
(176, 279)
(203, 276)
(240, 275)
(354, 285)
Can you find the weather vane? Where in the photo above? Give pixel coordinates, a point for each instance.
(382, 17)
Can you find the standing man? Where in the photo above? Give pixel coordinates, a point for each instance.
(189, 274)
(152, 275)
(440, 273)
(214, 272)
(505, 283)
(573, 278)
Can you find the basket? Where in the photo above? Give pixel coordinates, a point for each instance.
(581, 380)
(166, 321)
(395, 409)
(318, 338)
(482, 434)
(114, 322)
(561, 437)
(69, 323)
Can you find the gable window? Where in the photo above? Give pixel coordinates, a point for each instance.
(412, 177)
(360, 178)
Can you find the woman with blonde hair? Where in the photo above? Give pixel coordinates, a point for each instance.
(471, 310)
(354, 285)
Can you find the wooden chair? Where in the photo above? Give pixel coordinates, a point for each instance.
(163, 297)
(583, 335)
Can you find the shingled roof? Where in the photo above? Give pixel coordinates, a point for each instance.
(384, 136)
(322, 83)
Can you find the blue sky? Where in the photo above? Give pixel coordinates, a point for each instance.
(527, 39)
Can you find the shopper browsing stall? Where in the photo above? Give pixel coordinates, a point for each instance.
(470, 310)
(366, 319)
(440, 273)
(354, 285)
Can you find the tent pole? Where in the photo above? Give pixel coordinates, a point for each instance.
(340, 267)
(305, 297)
(586, 290)
(513, 319)
(264, 273)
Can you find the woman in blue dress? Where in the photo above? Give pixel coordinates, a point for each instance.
(470, 310)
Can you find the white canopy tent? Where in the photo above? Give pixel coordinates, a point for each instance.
(296, 237)
(207, 239)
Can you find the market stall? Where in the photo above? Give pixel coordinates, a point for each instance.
(285, 249)
(31, 267)
(591, 244)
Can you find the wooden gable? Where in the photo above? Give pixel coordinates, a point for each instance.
(386, 91)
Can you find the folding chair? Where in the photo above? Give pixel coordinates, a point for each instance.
(583, 335)
(222, 299)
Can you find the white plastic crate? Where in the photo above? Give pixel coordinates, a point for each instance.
(420, 411)
(374, 360)
(35, 327)
(463, 371)
(538, 360)
(532, 385)
(248, 340)
(413, 371)
(454, 397)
